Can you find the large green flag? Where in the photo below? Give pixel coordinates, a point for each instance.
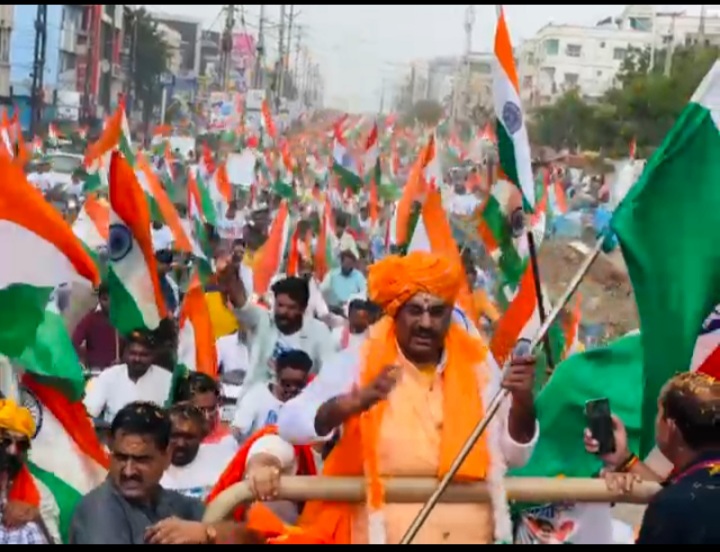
(667, 226)
(613, 372)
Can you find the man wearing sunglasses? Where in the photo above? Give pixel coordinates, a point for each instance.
(27, 517)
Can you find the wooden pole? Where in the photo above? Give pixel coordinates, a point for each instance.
(416, 490)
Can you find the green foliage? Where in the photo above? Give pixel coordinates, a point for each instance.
(644, 105)
(426, 112)
(151, 61)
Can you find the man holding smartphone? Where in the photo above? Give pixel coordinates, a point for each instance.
(687, 432)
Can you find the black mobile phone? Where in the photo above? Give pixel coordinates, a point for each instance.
(597, 413)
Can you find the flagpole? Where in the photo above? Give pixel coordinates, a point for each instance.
(497, 400)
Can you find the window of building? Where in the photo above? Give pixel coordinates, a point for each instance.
(571, 79)
(619, 53)
(599, 73)
(527, 82)
(573, 50)
(552, 46)
(602, 44)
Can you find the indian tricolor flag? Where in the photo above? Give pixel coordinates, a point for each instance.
(66, 460)
(196, 340)
(371, 161)
(39, 252)
(93, 223)
(268, 125)
(273, 251)
(136, 301)
(324, 260)
(344, 165)
(512, 136)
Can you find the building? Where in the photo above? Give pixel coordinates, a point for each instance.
(173, 40)
(7, 13)
(190, 30)
(587, 58)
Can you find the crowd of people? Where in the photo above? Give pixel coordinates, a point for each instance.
(364, 373)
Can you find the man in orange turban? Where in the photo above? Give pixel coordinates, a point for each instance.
(407, 401)
(21, 519)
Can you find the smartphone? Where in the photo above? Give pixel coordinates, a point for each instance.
(597, 413)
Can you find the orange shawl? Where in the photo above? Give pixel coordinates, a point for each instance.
(235, 470)
(331, 522)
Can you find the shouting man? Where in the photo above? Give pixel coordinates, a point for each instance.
(407, 401)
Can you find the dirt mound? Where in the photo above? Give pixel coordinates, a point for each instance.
(607, 296)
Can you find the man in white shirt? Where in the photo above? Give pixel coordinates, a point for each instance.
(162, 237)
(232, 225)
(40, 178)
(360, 315)
(262, 403)
(194, 466)
(317, 307)
(136, 380)
(271, 332)
(232, 354)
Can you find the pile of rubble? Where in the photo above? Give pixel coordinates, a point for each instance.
(606, 291)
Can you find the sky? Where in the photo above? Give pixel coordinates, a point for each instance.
(361, 49)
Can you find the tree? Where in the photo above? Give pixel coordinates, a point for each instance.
(643, 106)
(151, 62)
(427, 112)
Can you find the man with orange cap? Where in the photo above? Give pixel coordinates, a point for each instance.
(20, 498)
(406, 402)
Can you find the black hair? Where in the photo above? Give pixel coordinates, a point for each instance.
(359, 304)
(295, 288)
(195, 383)
(164, 256)
(142, 337)
(103, 288)
(143, 418)
(296, 359)
(187, 411)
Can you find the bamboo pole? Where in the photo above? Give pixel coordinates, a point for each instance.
(418, 490)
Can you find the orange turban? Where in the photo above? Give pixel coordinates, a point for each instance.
(16, 418)
(394, 280)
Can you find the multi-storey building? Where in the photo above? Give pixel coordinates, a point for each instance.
(587, 58)
(6, 24)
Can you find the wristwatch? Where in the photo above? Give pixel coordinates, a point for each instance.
(210, 535)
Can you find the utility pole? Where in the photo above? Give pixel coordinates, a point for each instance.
(90, 10)
(260, 49)
(37, 90)
(286, 59)
(469, 22)
(670, 43)
(701, 30)
(280, 65)
(296, 71)
(382, 97)
(226, 46)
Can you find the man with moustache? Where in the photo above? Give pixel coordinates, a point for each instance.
(194, 465)
(131, 507)
(28, 515)
(269, 333)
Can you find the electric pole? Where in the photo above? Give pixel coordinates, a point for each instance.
(260, 49)
(296, 72)
(89, 57)
(37, 90)
(280, 65)
(226, 47)
(701, 30)
(670, 43)
(469, 22)
(286, 59)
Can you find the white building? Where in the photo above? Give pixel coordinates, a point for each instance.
(173, 39)
(562, 57)
(6, 24)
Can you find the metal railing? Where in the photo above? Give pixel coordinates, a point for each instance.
(418, 490)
